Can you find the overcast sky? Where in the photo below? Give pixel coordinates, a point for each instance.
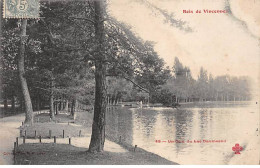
(221, 43)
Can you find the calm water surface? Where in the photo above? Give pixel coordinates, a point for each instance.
(232, 122)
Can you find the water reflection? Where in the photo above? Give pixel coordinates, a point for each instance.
(119, 125)
(143, 127)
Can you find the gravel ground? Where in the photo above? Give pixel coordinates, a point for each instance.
(9, 131)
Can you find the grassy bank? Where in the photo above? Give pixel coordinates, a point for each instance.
(62, 154)
(43, 126)
(65, 154)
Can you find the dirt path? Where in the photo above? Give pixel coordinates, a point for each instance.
(114, 153)
(9, 131)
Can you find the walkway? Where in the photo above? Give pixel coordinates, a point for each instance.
(9, 131)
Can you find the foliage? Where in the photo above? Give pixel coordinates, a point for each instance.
(205, 88)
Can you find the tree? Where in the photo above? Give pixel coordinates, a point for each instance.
(98, 126)
(202, 83)
(152, 73)
(118, 89)
(57, 71)
(211, 88)
(10, 41)
(24, 86)
(183, 82)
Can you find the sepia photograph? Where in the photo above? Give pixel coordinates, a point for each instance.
(130, 82)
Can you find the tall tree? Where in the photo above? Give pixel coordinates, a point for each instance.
(24, 86)
(202, 84)
(98, 126)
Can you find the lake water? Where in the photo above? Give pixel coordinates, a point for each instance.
(181, 131)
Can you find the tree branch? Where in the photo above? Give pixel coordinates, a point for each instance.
(132, 82)
(86, 19)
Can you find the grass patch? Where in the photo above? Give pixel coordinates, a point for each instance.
(62, 154)
(61, 122)
(42, 129)
(60, 118)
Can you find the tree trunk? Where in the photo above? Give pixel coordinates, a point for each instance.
(116, 100)
(66, 106)
(112, 99)
(98, 126)
(56, 107)
(75, 109)
(38, 102)
(76, 105)
(5, 105)
(34, 103)
(24, 86)
(72, 111)
(107, 100)
(13, 104)
(60, 104)
(56, 103)
(52, 112)
(21, 104)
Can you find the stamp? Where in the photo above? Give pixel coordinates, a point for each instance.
(21, 9)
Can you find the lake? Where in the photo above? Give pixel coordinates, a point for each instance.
(197, 133)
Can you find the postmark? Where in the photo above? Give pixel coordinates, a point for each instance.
(21, 9)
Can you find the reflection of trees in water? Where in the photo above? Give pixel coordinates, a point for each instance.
(214, 122)
(210, 119)
(146, 120)
(119, 123)
(168, 117)
(111, 124)
(183, 124)
(203, 124)
(224, 120)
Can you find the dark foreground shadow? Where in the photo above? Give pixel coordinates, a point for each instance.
(63, 154)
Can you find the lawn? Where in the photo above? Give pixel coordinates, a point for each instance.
(63, 154)
(81, 126)
(66, 154)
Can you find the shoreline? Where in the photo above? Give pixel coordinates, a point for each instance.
(75, 153)
(137, 149)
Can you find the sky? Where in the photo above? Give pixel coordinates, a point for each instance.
(221, 43)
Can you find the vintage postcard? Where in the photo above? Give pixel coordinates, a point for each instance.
(130, 82)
